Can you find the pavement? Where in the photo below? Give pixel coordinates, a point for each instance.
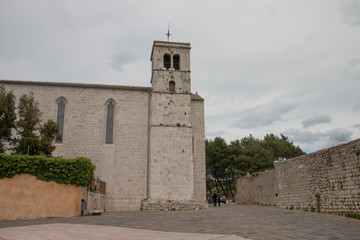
(228, 222)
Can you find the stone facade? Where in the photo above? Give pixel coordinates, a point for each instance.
(174, 167)
(260, 189)
(329, 176)
(158, 150)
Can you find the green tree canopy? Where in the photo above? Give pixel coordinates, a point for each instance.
(33, 137)
(225, 162)
(7, 115)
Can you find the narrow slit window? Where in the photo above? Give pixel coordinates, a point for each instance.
(60, 121)
(172, 86)
(176, 62)
(110, 123)
(193, 145)
(167, 61)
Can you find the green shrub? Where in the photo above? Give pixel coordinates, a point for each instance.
(352, 215)
(78, 171)
(254, 174)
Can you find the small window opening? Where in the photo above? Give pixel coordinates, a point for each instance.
(167, 63)
(60, 121)
(176, 62)
(109, 123)
(172, 86)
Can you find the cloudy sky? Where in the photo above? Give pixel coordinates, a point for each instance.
(287, 67)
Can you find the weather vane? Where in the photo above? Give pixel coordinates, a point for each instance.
(168, 34)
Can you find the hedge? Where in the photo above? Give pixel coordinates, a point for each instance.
(78, 171)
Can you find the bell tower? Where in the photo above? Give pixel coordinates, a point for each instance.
(171, 67)
(171, 177)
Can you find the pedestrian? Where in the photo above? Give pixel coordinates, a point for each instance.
(215, 197)
(219, 199)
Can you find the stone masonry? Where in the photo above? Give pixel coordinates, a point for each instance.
(260, 189)
(177, 130)
(158, 151)
(330, 176)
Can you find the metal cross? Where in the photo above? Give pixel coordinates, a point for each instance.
(168, 34)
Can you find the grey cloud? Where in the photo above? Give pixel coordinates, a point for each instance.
(338, 135)
(350, 12)
(357, 126)
(324, 118)
(356, 107)
(352, 69)
(263, 115)
(302, 136)
(334, 136)
(119, 60)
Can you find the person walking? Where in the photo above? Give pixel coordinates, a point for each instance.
(218, 199)
(215, 197)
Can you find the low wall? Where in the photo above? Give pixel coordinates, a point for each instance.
(261, 189)
(25, 197)
(332, 174)
(95, 196)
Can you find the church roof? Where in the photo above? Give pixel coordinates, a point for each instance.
(196, 97)
(82, 85)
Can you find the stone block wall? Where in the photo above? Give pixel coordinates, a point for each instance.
(163, 77)
(171, 166)
(198, 148)
(332, 174)
(261, 189)
(171, 205)
(95, 196)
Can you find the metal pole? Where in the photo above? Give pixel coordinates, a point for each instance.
(227, 183)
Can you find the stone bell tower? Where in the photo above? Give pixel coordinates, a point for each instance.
(171, 178)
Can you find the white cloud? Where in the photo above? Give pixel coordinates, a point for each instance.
(215, 134)
(118, 61)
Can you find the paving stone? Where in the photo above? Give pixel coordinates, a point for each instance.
(248, 221)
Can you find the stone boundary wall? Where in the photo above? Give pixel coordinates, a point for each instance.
(170, 205)
(332, 174)
(95, 196)
(261, 189)
(25, 197)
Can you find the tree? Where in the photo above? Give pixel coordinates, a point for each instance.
(216, 153)
(7, 115)
(280, 147)
(48, 132)
(225, 163)
(28, 128)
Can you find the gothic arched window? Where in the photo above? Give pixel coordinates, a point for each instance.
(60, 121)
(109, 123)
(172, 86)
(176, 62)
(167, 61)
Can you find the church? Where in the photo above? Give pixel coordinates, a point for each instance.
(148, 143)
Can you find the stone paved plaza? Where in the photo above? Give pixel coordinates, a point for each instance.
(248, 221)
